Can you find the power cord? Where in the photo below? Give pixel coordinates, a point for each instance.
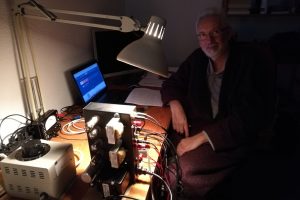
(119, 197)
(71, 127)
(79, 157)
(9, 117)
(145, 171)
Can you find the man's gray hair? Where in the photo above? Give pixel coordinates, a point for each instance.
(213, 12)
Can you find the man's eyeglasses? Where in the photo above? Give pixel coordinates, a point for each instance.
(212, 34)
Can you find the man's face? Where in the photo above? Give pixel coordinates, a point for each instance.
(213, 37)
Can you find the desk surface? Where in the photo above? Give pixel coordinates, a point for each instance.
(79, 190)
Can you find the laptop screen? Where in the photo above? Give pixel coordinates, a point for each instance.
(89, 80)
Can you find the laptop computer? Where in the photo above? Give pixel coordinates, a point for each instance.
(92, 86)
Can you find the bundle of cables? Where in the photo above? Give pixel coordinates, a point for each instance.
(73, 127)
(17, 137)
(162, 169)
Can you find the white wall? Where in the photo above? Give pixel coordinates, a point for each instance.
(57, 48)
(10, 94)
(10, 100)
(60, 47)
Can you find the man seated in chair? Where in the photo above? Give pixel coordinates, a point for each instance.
(222, 95)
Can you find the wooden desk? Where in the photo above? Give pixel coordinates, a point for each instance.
(79, 190)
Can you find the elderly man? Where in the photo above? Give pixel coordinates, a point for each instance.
(222, 95)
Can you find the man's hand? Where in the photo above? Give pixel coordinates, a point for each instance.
(191, 143)
(179, 120)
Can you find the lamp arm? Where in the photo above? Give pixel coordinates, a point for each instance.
(43, 10)
(136, 54)
(128, 24)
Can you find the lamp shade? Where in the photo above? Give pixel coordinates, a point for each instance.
(147, 52)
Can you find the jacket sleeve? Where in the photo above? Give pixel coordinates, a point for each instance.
(176, 86)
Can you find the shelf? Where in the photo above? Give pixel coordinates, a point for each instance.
(261, 8)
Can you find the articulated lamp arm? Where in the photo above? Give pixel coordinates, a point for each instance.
(127, 24)
(145, 53)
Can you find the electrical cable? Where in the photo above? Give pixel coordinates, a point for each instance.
(151, 119)
(13, 133)
(152, 192)
(149, 116)
(149, 133)
(79, 155)
(20, 122)
(142, 171)
(7, 117)
(117, 197)
(78, 121)
(17, 138)
(167, 144)
(66, 129)
(155, 138)
(70, 110)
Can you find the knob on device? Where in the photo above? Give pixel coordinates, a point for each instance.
(32, 149)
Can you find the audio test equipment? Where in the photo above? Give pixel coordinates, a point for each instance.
(45, 127)
(113, 155)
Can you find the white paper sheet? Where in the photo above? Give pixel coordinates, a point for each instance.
(145, 97)
(151, 82)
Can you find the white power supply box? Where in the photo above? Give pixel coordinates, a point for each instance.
(49, 173)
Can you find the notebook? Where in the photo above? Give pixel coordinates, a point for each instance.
(92, 86)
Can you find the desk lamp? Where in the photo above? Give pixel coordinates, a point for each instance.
(145, 53)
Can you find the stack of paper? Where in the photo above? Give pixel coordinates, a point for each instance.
(148, 94)
(145, 97)
(151, 80)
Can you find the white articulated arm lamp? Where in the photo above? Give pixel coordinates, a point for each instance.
(145, 53)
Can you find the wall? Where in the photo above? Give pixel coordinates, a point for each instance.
(60, 47)
(11, 99)
(8, 69)
(57, 48)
